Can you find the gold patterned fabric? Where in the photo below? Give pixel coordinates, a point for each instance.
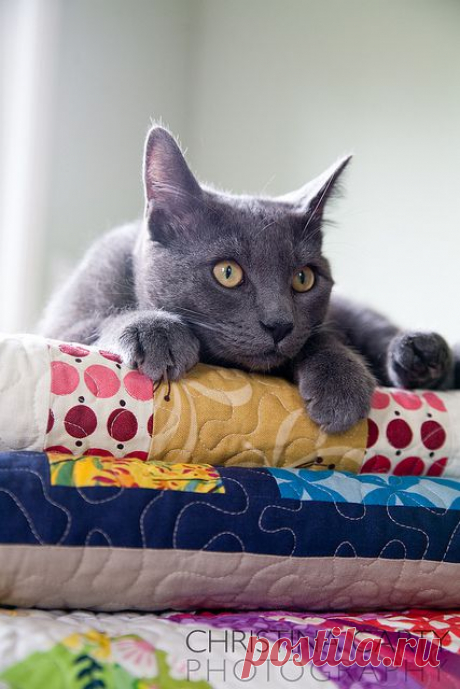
(225, 416)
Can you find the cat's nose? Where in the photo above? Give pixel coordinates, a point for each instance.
(278, 329)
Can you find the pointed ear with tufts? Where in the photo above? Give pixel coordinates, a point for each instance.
(311, 199)
(171, 191)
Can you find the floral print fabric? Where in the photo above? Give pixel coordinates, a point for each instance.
(205, 650)
(67, 470)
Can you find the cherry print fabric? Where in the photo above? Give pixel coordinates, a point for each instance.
(97, 405)
(409, 433)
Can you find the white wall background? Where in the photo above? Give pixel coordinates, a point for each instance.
(264, 94)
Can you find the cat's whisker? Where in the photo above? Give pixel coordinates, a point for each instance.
(203, 325)
(200, 324)
(312, 234)
(182, 309)
(265, 227)
(267, 183)
(218, 326)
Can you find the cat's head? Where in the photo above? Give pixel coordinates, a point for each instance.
(246, 273)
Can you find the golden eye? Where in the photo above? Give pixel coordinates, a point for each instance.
(228, 273)
(303, 279)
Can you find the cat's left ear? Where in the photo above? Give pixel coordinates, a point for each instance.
(172, 194)
(168, 181)
(312, 198)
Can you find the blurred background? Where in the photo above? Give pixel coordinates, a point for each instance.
(263, 94)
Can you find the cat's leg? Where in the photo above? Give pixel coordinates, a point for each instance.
(335, 383)
(156, 342)
(409, 359)
(97, 306)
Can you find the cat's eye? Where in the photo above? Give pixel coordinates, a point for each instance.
(228, 273)
(303, 279)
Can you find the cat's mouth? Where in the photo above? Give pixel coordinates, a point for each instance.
(265, 360)
(271, 352)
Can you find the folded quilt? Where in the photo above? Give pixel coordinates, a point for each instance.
(71, 399)
(189, 536)
(51, 650)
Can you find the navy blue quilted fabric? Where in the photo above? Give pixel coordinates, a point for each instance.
(287, 512)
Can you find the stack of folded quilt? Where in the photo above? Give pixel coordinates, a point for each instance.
(219, 493)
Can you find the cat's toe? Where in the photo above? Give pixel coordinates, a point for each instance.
(335, 419)
(159, 347)
(419, 360)
(337, 405)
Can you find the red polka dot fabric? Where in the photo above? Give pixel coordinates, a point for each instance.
(408, 434)
(97, 405)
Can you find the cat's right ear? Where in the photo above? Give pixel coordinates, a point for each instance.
(171, 191)
(310, 200)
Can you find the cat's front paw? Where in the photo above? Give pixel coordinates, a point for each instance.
(337, 395)
(419, 360)
(159, 345)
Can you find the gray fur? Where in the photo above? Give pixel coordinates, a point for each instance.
(146, 291)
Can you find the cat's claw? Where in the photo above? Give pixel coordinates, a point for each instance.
(420, 360)
(336, 419)
(159, 347)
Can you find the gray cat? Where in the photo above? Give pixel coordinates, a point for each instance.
(238, 281)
